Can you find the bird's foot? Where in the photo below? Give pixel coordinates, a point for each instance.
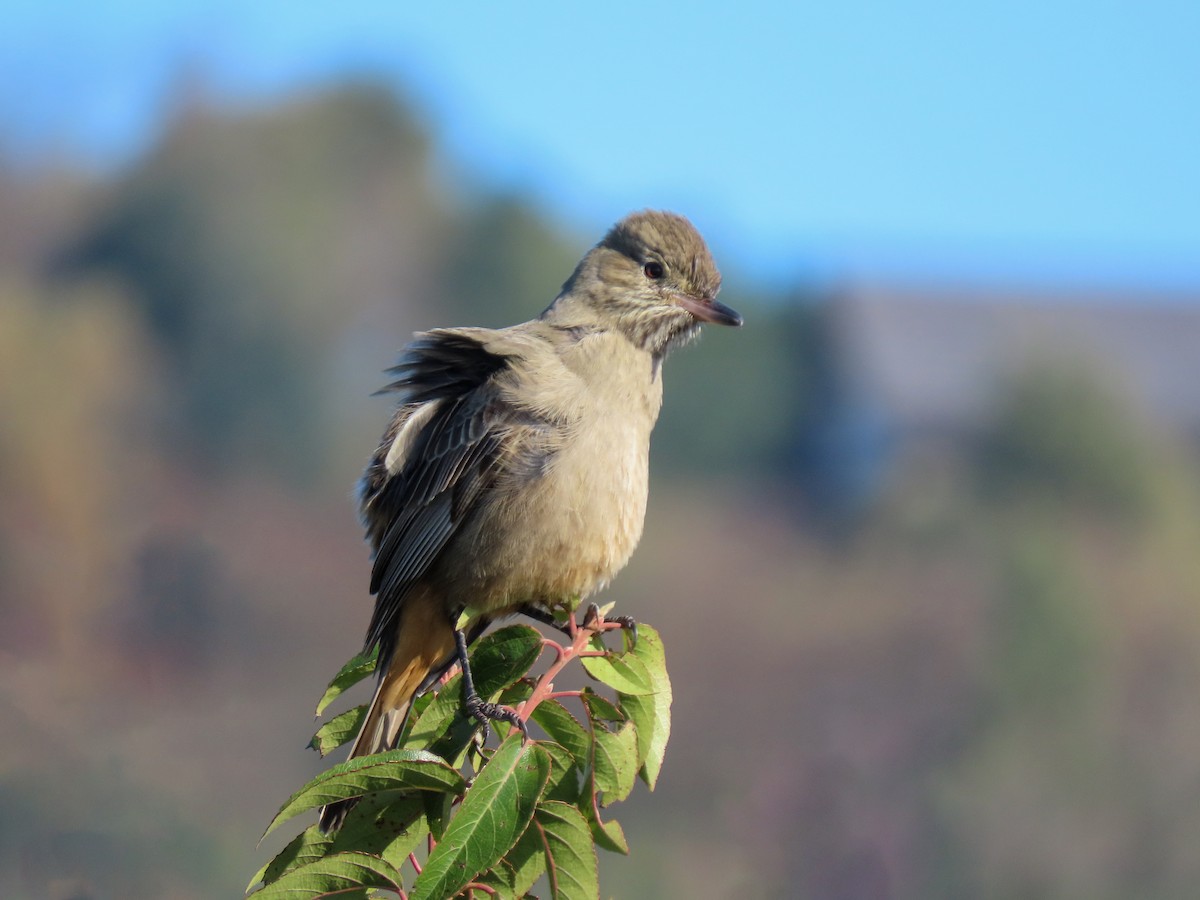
(629, 624)
(475, 705)
(487, 713)
(593, 620)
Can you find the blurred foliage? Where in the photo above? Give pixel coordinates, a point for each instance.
(77, 387)
(1058, 432)
(505, 264)
(1044, 656)
(986, 688)
(733, 402)
(245, 241)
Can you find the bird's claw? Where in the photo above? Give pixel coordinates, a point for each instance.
(486, 713)
(594, 621)
(629, 624)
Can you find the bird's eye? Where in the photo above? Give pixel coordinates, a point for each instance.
(654, 269)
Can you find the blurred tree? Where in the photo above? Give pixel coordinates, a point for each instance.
(248, 243)
(1029, 799)
(837, 443)
(1045, 653)
(1010, 704)
(77, 390)
(504, 264)
(174, 613)
(734, 409)
(1060, 434)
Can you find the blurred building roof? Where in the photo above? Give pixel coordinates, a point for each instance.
(933, 359)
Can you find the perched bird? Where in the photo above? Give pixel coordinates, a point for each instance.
(513, 475)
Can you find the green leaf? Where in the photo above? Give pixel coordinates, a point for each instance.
(501, 658)
(379, 825)
(338, 730)
(614, 762)
(571, 862)
(651, 717)
(649, 649)
(650, 713)
(527, 859)
(307, 846)
(351, 674)
(563, 728)
(601, 707)
(517, 692)
(564, 774)
(499, 878)
(339, 873)
(393, 770)
(494, 814)
(385, 826)
(437, 812)
(623, 671)
(420, 704)
(607, 835)
(498, 661)
(438, 715)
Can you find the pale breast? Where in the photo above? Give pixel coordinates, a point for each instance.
(595, 505)
(570, 530)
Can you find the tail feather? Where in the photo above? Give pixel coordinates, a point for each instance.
(424, 644)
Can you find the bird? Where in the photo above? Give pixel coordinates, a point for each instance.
(513, 474)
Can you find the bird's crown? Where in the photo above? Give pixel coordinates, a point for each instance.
(670, 240)
(650, 277)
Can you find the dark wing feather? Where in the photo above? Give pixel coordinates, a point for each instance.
(413, 514)
(442, 364)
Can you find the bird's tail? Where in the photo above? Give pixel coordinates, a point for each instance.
(425, 643)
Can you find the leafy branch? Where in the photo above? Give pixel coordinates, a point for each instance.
(443, 815)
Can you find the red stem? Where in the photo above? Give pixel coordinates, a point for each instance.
(580, 637)
(487, 889)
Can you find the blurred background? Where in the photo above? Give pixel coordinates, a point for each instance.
(924, 536)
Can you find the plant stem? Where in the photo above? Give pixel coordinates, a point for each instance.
(581, 636)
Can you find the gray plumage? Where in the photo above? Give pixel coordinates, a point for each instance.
(515, 469)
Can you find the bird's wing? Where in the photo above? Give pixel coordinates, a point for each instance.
(450, 440)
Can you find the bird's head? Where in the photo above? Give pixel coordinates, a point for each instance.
(653, 278)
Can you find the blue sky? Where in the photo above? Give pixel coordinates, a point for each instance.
(1038, 141)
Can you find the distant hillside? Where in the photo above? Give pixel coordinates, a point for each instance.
(967, 671)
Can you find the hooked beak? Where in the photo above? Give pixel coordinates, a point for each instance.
(707, 309)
